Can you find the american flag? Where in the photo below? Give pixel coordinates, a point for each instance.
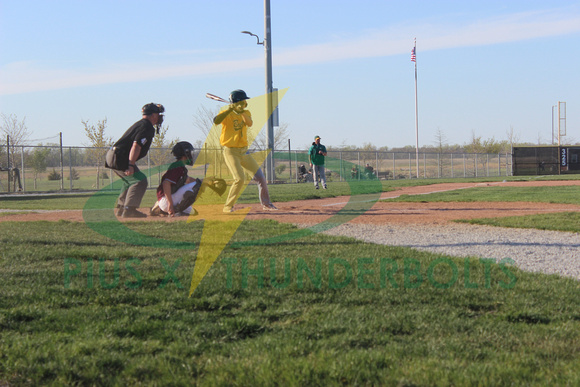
(413, 56)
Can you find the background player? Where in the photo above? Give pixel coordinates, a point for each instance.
(316, 154)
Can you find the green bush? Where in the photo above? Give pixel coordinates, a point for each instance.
(280, 169)
(54, 175)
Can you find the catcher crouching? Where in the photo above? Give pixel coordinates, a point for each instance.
(177, 191)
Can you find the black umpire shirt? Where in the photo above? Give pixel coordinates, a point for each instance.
(142, 132)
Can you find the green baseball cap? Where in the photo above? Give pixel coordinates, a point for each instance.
(316, 137)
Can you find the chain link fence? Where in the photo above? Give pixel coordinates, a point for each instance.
(348, 165)
(54, 168)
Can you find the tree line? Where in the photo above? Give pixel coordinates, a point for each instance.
(99, 141)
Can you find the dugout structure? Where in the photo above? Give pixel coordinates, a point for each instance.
(545, 160)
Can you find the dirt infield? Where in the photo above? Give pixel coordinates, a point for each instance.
(317, 210)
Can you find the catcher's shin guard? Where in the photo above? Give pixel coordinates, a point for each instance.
(188, 198)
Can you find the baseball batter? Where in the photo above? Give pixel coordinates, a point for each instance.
(235, 120)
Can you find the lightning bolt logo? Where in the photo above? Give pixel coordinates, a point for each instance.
(219, 227)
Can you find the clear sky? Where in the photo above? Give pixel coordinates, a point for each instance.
(483, 66)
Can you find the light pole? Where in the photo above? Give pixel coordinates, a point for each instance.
(267, 43)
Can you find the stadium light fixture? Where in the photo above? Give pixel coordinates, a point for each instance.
(254, 35)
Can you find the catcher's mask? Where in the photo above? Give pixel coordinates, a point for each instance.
(183, 148)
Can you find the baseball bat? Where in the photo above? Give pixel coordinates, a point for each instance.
(216, 98)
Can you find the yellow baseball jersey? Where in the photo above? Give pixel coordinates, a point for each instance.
(234, 130)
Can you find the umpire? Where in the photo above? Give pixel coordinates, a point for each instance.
(125, 153)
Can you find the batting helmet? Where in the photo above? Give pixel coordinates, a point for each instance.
(238, 95)
(183, 148)
(151, 108)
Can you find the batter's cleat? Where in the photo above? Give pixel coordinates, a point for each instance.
(228, 210)
(131, 212)
(269, 207)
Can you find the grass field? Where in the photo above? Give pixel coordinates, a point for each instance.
(562, 221)
(79, 308)
(566, 194)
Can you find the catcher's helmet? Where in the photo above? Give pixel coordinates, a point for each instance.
(151, 108)
(238, 95)
(183, 148)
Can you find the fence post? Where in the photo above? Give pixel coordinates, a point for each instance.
(452, 165)
(289, 162)
(487, 164)
(341, 168)
(23, 178)
(70, 167)
(358, 163)
(8, 160)
(61, 164)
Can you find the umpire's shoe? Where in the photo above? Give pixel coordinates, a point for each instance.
(131, 212)
(119, 210)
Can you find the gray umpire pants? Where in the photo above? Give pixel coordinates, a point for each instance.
(134, 186)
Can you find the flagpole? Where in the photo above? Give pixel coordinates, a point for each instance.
(414, 59)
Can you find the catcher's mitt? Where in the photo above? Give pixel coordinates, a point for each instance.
(219, 186)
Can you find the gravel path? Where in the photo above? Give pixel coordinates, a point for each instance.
(550, 252)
